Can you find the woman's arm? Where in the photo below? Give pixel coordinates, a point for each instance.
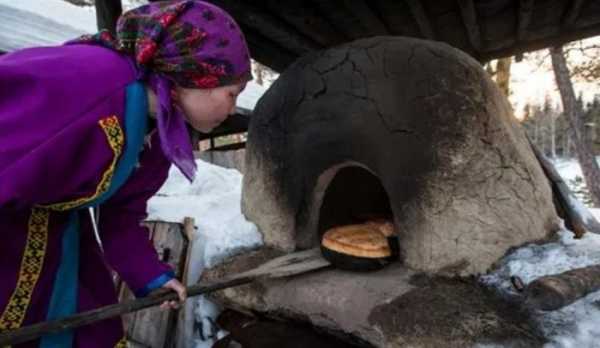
(126, 243)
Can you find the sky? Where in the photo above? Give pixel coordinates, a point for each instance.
(531, 83)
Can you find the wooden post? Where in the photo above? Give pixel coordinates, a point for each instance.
(154, 327)
(187, 311)
(573, 218)
(107, 13)
(556, 291)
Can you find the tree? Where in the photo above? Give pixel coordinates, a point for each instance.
(500, 73)
(263, 74)
(573, 113)
(551, 116)
(503, 74)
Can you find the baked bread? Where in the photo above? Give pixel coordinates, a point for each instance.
(360, 247)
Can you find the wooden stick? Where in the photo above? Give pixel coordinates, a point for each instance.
(556, 291)
(573, 217)
(287, 265)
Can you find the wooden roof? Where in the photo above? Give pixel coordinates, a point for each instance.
(279, 31)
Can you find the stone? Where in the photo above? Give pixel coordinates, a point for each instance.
(393, 307)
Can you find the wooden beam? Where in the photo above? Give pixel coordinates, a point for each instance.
(268, 26)
(233, 124)
(366, 17)
(107, 13)
(572, 13)
(341, 19)
(419, 15)
(228, 147)
(267, 52)
(469, 18)
(303, 17)
(556, 291)
(524, 18)
(510, 49)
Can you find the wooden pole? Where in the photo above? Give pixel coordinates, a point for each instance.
(85, 318)
(283, 266)
(573, 218)
(556, 291)
(107, 13)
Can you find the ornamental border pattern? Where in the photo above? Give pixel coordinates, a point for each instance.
(31, 267)
(116, 138)
(34, 251)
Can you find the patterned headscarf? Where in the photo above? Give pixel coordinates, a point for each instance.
(188, 43)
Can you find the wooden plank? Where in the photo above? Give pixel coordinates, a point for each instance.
(268, 26)
(565, 197)
(341, 19)
(419, 15)
(153, 327)
(548, 38)
(524, 18)
(469, 18)
(366, 16)
(187, 311)
(396, 16)
(236, 123)
(268, 52)
(572, 13)
(107, 13)
(554, 292)
(304, 18)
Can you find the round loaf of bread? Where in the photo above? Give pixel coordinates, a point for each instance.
(362, 240)
(360, 247)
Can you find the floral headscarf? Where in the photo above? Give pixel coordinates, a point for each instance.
(188, 43)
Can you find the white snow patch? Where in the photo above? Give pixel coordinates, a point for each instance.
(586, 213)
(576, 325)
(78, 17)
(213, 200)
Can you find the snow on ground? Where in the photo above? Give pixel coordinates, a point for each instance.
(568, 168)
(213, 200)
(78, 17)
(577, 325)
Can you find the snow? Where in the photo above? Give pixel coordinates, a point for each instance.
(249, 96)
(213, 200)
(570, 170)
(576, 325)
(82, 18)
(21, 29)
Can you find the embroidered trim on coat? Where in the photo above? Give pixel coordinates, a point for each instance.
(116, 138)
(31, 267)
(122, 343)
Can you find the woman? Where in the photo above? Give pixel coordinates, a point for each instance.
(97, 123)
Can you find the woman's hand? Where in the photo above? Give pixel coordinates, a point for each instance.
(176, 286)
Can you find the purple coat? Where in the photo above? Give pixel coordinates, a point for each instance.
(61, 110)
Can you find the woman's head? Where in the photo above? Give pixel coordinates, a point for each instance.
(195, 59)
(193, 43)
(205, 109)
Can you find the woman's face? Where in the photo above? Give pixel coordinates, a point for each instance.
(205, 109)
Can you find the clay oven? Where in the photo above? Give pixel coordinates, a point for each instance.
(411, 130)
